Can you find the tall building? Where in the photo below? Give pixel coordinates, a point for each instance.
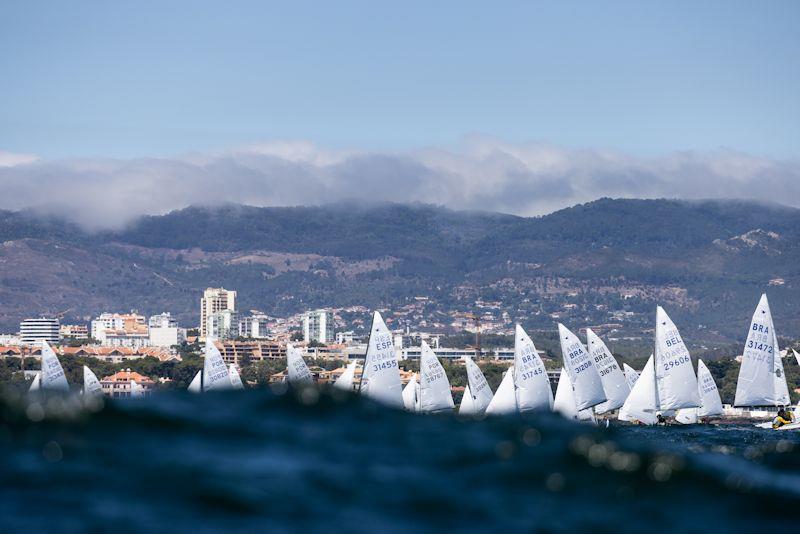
(254, 327)
(318, 326)
(32, 331)
(222, 325)
(215, 300)
(164, 331)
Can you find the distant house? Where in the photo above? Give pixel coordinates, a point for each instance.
(121, 384)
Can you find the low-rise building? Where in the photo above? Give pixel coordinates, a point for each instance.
(34, 331)
(74, 331)
(236, 351)
(164, 331)
(121, 330)
(127, 383)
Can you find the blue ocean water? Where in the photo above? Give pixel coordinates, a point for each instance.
(260, 461)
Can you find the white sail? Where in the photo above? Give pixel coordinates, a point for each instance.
(710, 402)
(52, 375)
(380, 379)
(641, 403)
(530, 377)
(410, 394)
(215, 372)
(505, 398)
(479, 390)
(761, 380)
(196, 385)
(796, 356)
(631, 376)
(36, 383)
(345, 380)
(687, 416)
(583, 375)
(467, 406)
(676, 383)
(297, 371)
(91, 385)
(434, 387)
(236, 379)
(137, 390)
(615, 386)
(564, 402)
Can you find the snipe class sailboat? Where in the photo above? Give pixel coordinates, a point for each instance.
(582, 376)
(214, 376)
(297, 372)
(380, 379)
(434, 387)
(51, 377)
(411, 395)
(345, 380)
(615, 386)
(477, 394)
(710, 402)
(565, 400)
(91, 385)
(762, 381)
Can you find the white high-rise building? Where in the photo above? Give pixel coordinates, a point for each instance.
(318, 326)
(215, 300)
(254, 327)
(164, 331)
(222, 325)
(33, 331)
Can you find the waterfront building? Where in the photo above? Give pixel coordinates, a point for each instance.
(120, 384)
(34, 331)
(215, 300)
(236, 352)
(318, 326)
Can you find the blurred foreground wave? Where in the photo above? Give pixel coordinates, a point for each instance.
(322, 461)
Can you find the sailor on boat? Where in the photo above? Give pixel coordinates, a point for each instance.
(660, 420)
(783, 418)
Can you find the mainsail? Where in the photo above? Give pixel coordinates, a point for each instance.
(505, 398)
(641, 403)
(52, 375)
(710, 401)
(91, 385)
(479, 390)
(215, 372)
(615, 386)
(530, 377)
(761, 379)
(434, 387)
(564, 402)
(676, 383)
(297, 371)
(631, 376)
(236, 380)
(196, 385)
(410, 394)
(467, 406)
(380, 379)
(36, 383)
(583, 375)
(345, 380)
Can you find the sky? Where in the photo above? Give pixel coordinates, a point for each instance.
(523, 107)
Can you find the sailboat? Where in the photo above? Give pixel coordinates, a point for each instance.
(762, 381)
(52, 376)
(411, 395)
(564, 402)
(615, 386)
(298, 373)
(641, 402)
(505, 398)
(533, 391)
(345, 380)
(583, 375)
(91, 385)
(710, 402)
(676, 383)
(380, 379)
(434, 387)
(477, 394)
(236, 379)
(631, 376)
(214, 376)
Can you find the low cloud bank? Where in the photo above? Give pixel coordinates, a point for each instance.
(480, 173)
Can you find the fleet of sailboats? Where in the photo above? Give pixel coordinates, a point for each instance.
(591, 382)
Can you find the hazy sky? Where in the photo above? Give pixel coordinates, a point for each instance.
(102, 85)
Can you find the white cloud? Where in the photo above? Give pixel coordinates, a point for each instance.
(480, 173)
